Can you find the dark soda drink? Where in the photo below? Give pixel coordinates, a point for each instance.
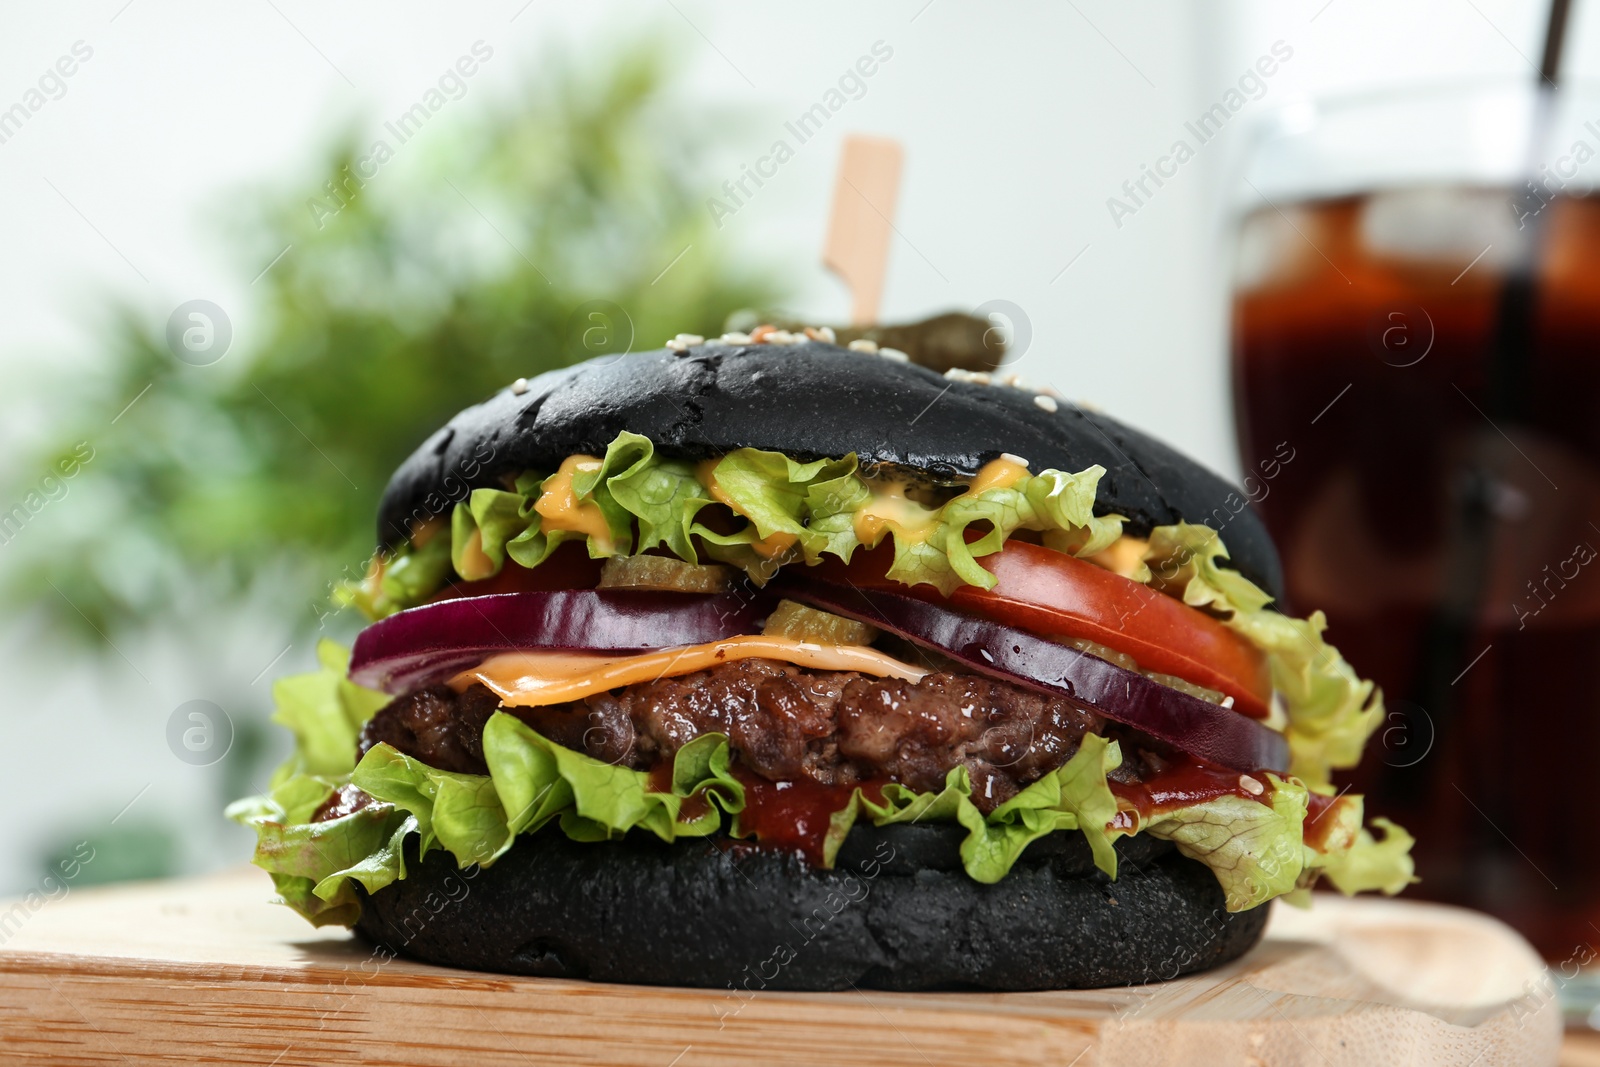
(1443, 507)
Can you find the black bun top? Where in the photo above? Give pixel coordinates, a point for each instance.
(811, 401)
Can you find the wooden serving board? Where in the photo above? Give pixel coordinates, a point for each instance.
(206, 970)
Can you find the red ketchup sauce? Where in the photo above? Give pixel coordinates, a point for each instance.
(346, 800)
(1317, 827)
(1179, 785)
(794, 816)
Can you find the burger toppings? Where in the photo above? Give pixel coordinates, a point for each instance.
(713, 735)
(1180, 611)
(775, 649)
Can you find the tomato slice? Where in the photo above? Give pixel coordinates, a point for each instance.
(1060, 596)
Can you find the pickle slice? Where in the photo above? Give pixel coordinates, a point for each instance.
(664, 574)
(800, 623)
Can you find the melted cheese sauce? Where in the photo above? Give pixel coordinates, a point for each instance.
(999, 473)
(706, 472)
(535, 679)
(559, 508)
(1123, 556)
(889, 509)
(475, 563)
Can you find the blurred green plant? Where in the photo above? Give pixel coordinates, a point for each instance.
(473, 258)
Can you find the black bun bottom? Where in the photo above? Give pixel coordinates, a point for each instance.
(897, 912)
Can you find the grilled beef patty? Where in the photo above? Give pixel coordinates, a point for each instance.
(783, 723)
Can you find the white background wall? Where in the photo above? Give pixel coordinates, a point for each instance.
(1019, 122)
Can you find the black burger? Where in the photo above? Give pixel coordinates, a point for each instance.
(768, 663)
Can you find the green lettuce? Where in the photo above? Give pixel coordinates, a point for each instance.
(1256, 850)
(532, 781)
(1073, 797)
(480, 528)
(634, 489)
(1331, 710)
(325, 711)
(417, 572)
(1060, 505)
(1369, 864)
(315, 865)
(788, 506)
(785, 511)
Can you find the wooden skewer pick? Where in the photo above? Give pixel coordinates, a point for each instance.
(864, 196)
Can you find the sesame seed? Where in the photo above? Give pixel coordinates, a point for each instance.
(826, 335)
(690, 339)
(1047, 403)
(982, 378)
(1010, 458)
(735, 338)
(1251, 786)
(861, 344)
(677, 345)
(519, 386)
(1227, 702)
(957, 374)
(782, 337)
(894, 354)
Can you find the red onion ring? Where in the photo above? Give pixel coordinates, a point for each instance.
(425, 645)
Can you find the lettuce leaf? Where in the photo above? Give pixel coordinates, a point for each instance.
(790, 510)
(480, 528)
(415, 573)
(775, 493)
(789, 506)
(474, 817)
(1059, 504)
(1331, 710)
(1255, 850)
(460, 812)
(632, 487)
(325, 711)
(662, 495)
(538, 779)
(1369, 864)
(314, 865)
(1075, 797)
